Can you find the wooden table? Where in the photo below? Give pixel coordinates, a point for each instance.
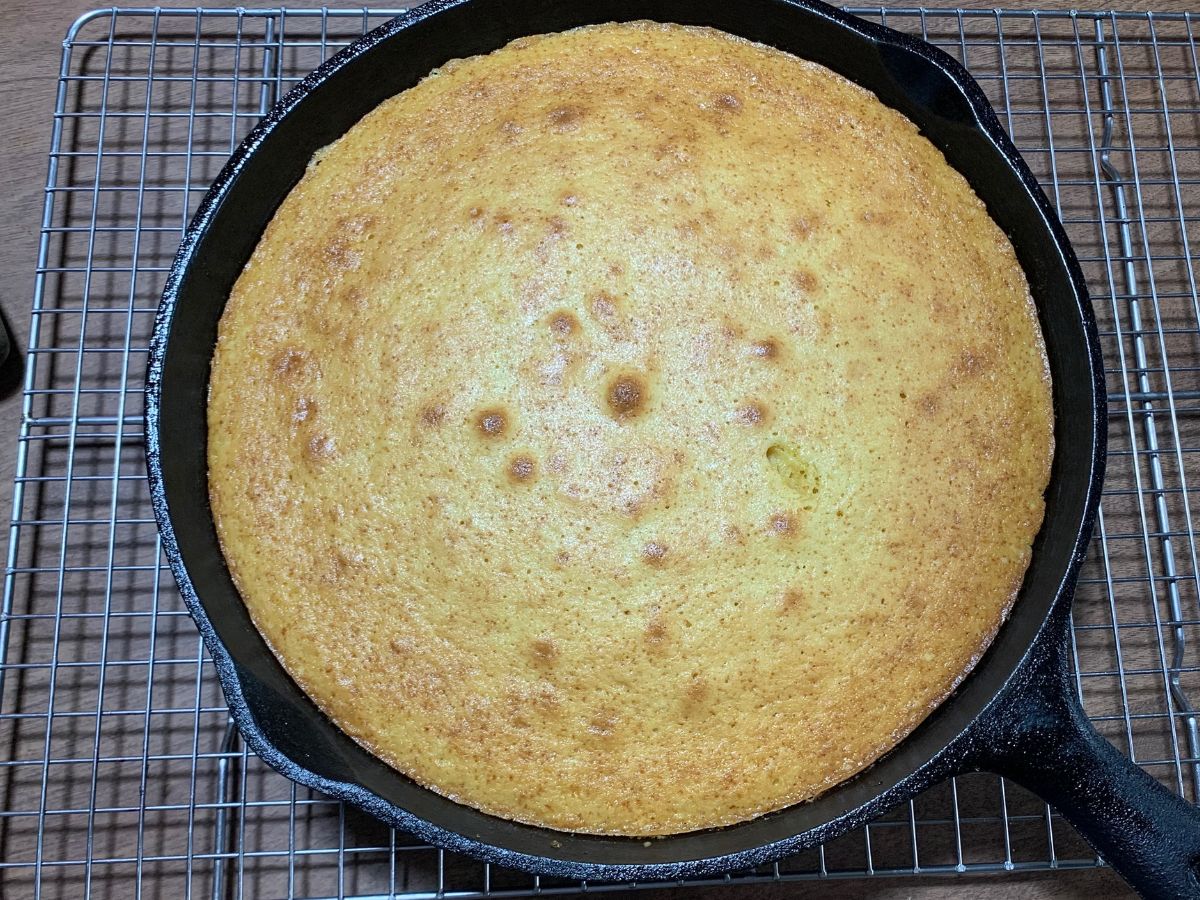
(32, 33)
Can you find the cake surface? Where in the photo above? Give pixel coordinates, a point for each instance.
(631, 431)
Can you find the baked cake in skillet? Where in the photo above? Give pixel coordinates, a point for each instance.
(631, 431)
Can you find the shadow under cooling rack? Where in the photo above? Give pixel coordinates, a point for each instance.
(119, 775)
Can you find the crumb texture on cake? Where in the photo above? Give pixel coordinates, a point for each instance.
(631, 431)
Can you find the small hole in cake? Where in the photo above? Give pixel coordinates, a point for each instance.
(796, 472)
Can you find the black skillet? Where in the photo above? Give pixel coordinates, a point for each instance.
(1016, 715)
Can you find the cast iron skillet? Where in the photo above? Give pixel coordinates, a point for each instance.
(1016, 714)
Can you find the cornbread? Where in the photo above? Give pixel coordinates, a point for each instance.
(631, 431)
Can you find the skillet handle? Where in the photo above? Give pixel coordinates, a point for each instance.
(1041, 739)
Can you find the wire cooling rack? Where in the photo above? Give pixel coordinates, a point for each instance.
(119, 773)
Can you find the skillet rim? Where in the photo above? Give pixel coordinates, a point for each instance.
(955, 755)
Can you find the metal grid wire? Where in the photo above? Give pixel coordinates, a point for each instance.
(119, 773)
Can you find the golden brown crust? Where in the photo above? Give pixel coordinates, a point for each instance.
(632, 431)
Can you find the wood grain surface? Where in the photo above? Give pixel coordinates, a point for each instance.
(32, 34)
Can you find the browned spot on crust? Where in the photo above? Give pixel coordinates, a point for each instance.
(565, 118)
(433, 415)
(540, 697)
(801, 228)
(616, 270)
(570, 200)
(768, 348)
(733, 534)
(672, 150)
(543, 650)
(654, 553)
(728, 102)
(320, 447)
(511, 127)
(603, 306)
(305, 409)
(353, 297)
(558, 226)
(782, 524)
(504, 224)
(972, 362)
(804, 280)
(626, 396)
(637, 489)
(545, 698)
(521, 468)
(604, 723)
(340, 257)
(655, 631)
(492, 423)
(555, 370)
(605, 309)
(340, 252)
(752, 413)
(401, 646)
(731, 330)
(562, 557)
(474, 212)
(687, 229)
(357, 225)
(563, 324)
(793, 601)
(696, 690)
(869, 620)
(292, 363)
(345, 560)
